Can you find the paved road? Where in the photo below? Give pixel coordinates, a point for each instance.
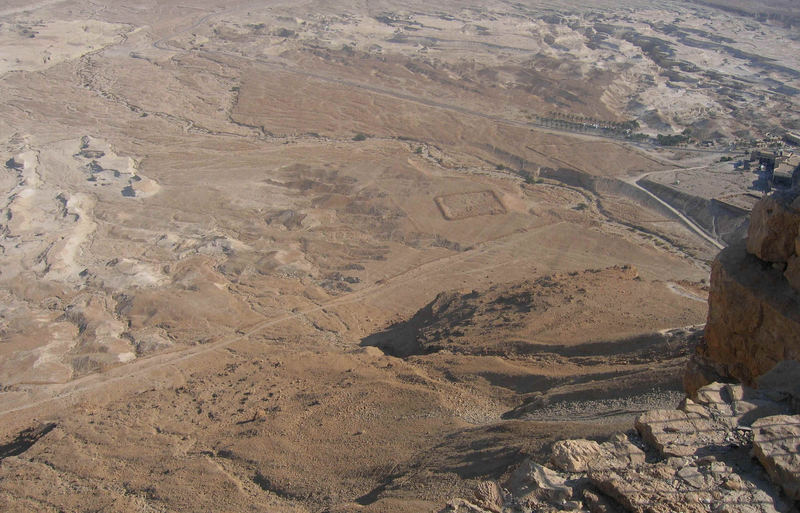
(685, 220)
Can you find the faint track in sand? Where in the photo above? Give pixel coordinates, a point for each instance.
(30, 7)
(75, 389)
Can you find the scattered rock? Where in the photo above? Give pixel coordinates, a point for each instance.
(533, 483)
(489, 496)
(619, 452)
(574, 455)
(704, 465)
(580, 455)
(462, 506)
(736, 405)
(682, 484)
(599, 503)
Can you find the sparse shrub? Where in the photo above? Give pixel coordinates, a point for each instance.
(360, 137)
(671, 140)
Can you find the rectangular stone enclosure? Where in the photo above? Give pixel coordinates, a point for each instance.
(469, 204)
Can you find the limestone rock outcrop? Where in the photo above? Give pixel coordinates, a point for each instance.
(698, 458)
(575, 455)
(579, 455)
(678, 433)
(754, 301)
(784, 379)
(773, 227)
(776, 444)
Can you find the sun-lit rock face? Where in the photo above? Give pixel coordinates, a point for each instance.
(754, 302)
(773, 227)
(681, 459)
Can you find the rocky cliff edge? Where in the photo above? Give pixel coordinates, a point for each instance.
(733, 445)
(754, 301)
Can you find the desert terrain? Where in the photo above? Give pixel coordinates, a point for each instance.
(353, 256)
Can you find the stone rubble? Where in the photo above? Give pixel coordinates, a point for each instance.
(703, 457)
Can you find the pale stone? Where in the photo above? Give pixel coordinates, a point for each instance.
(574, 455)
(736, 405)
(676, 433)
(776, 444)
(619, 452)
(678, 484)
(716, 397)
(773, 228)
(693, 408)
(489, 496)
(535, 483)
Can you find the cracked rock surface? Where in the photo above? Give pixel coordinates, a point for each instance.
(698, 458)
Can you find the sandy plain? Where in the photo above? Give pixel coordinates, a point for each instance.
(222, 224)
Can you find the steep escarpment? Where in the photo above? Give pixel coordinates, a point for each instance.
(754, 302)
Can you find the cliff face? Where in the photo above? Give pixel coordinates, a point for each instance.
(754, 302)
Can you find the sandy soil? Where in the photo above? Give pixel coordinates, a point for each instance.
(208, 212)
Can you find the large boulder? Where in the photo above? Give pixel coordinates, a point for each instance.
(783, 383)
(773, 227)
(753, 320)
(575, 455)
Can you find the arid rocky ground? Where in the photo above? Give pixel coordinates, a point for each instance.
(297, 256)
